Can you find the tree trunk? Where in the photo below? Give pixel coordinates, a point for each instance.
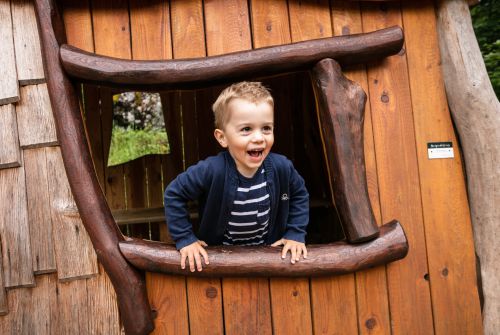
(476, 112)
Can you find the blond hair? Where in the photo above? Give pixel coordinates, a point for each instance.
(253, 92)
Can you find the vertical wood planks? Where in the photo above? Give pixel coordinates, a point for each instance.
(37, 190)
(332, 294)
(27, 43)
(400, 196)
(4, 304)
(14, 230)
(102, 305)
(206, 295)
(32, 310)
(78, 24)
(371, 285)
(75, 255)
(9, 89)
(73, 309)
(246, 300)
(167, 295)
(34, 117)
(10, 154)
(448, 233)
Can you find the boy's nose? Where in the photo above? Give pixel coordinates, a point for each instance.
(258, 136)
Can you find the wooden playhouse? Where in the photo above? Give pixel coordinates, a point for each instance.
(61, 224)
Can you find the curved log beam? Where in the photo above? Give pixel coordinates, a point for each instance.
(341, 109)
(96, 216)
(209, 71)
(324, 259)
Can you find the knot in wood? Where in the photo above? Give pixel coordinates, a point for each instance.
(385, 97)
(346, 30)
(444, 272)
(211, 292)
(295, 293)
(370, 323)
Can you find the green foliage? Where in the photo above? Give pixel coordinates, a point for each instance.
(486, 22)
(127, 145)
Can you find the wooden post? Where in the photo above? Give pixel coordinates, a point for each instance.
(476, 112)
(341, 105)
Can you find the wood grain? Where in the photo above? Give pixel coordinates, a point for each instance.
(14, 229)
(455, 302)
(371, 285)
(75, 254)
(9, 89)
(205, 306)
(34, 117)
(167, 295)
(39, 216)
(73, 308)
(102, 305)
(10, 153)
(32, 310)
(400, 195)
(27, 43)
(78, 24)
(4, 304)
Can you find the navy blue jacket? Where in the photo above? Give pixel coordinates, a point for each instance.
(213, 182)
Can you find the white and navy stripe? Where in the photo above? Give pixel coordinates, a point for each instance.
(249, 218)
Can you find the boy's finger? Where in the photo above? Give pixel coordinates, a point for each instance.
(191, 261)
(205, 255)
(299, 252)
(183, 261)
(277, 243)
(305, 252)
(284, 251)
(294, 254)
(198, 261)
(203, 244)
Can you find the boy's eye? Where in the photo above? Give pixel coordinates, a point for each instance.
(245, 129)
(267, 129)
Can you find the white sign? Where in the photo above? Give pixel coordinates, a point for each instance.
(437, 150)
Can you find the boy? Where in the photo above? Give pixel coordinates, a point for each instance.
(246, 195)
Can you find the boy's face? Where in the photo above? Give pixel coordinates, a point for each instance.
(248, 134)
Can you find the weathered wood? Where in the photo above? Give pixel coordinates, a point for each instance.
(4, 304)
(398, 178)
(27, 43)
(323, 259)
(102, 305)
(372, 305)
(39, 214)
(10, 153)
(91, 203)
(34, 117)
(74, 253)
(167, 295)
(74, 314)
(476, 113)
(9, 89)
(32, 310)
(210, 71)
(341, 104)
(14, 229)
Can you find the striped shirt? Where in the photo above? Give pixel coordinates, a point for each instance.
(249, 218)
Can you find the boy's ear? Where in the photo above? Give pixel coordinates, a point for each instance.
(219, 136)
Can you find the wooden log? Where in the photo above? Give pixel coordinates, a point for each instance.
(94, 211)
(9, 89)
(323, 259)
(10, 153)
(341, 104)
(476, 113)
(209, 71)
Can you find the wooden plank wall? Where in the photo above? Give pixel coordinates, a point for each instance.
(433, 290)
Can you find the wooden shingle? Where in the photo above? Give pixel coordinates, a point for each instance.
(34, 117)
(75, 256)
(16, 250)
(9, 89)
(4, 308)
(27, 43)
(37, 190)
(10, 153)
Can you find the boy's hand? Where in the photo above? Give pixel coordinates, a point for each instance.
(296, 249)
(193, 253)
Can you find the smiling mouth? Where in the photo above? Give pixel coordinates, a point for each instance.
(255, 153)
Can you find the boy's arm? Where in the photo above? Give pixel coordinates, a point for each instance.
(189, 185)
